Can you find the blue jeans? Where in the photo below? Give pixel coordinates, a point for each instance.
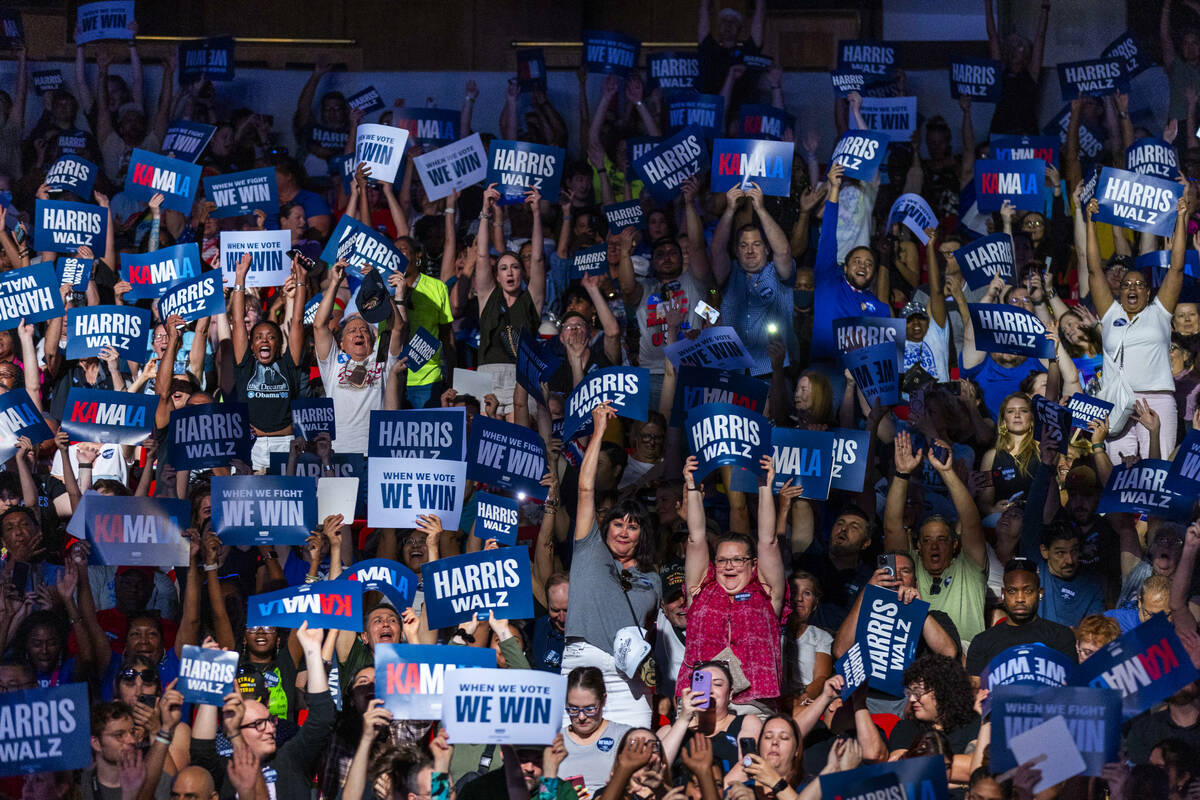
(424, 396)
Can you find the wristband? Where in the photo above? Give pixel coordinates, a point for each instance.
(239, 288)
(469, 99)
(162, 738)
(903, 475)
(776, 88)
(211, 567)
(463, 633)
(779, 787)
(311, 579)
(449, 211)
(1097, 447)
(85, 465)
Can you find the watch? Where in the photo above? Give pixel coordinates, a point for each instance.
(779, 787)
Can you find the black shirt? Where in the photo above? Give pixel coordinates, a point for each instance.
(995, 640)
(907, 730)
(1148, 730)
(715, 62)
(268, 389)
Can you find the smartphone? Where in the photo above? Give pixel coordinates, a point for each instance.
(20, 576)
(887, 561)
(939, 452)
(707, 312)
(148, 700)
(702, 686)
(749, 745)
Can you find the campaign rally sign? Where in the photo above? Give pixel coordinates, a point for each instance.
(1008, 329)
(696, 386)
(517, 167)
(454, 166)
(461, 588)
(610, 52)
(977, 78)
(507, 456)
(742, 162)
(985, 258)
(1093, 717)
(1142, 489)
(206, 58)
(137, 531)
(1152, 156)
(802, 456)
(107, 19)
(1026, 665)
(206, 676)
(325, 605)
(48, 730)
(72, 174)
(209, 435)
(73, 141)
(500, 706)
(1091, 140)
(12, 30)
(151, 274)
(30, 294)
(421, 349)
(269, 264)
(921, 778)
(495, 517)
(672, 70)
(20, 417)
(757, 121)
(1095, 78)
(1157, 262)
(410, 678)
(691, 109)
(263, 509)
(1184, 474)
(876, 372)
(1051, 422)
(913, 211)
(392, 579)
(1019, 182)
(312, 416)
(1146, 665)
(150, 174)
(238, 193)
(1125, 46)
(1086, 409)
(860, 153)
(366, 101)
(380, 149)
(620, 216)
(535, 364)
(126, 329)
(74, 271)
(361, 245)
(852, 669)
(721, 434)
(664, 167)
(846, 82)
(186, 140)
(63, 227)
(852, 333)
(331, 139)
(849, 459)
(887, 633)
(895, 117)
(435, 433)
(718, 347)
(626, 389)
(195, 298)
(428, 127)
(590, 261)
(874, 60)
(97, 415)
(1020, 148)
(47, 80)
(531, 69)
(403, 489)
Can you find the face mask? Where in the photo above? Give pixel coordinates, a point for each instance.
(802, 298)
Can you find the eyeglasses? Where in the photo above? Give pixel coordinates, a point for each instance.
(583, 711)
(147, 675)
(261, 725)
(914, 693)
(1133, 284)
(733, 562)
(1032, 223)
(260, 629)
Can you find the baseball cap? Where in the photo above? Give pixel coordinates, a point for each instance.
(914, 308)
(672, 582)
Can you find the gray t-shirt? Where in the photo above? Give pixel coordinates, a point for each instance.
(593, 762)
(598, 609)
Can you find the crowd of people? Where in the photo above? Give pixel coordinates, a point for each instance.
(747, 599)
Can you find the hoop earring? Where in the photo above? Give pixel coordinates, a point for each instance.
(1001, 428)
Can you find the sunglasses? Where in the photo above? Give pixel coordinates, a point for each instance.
(147, 675)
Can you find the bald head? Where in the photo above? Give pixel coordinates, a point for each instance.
(193, 783)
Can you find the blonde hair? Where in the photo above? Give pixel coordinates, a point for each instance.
(1021, 447)
(822, 396)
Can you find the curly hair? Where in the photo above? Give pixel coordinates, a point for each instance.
(950, 685)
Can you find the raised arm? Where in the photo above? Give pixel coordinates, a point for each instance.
(971, 356)
(1164, 36)
(585, 510)
(1039, 41)
(16, 117)
(450, 237)
(1168, 293)
(777, 240)
(631, 289)
(162, 112)
(702, 24)
(698, 263)
(485, 282)
(937, 293)
(970, 527)
(966, 172)
(770, 559)
(906, 462)
(696, 557)
(82, 90)
(536, 278)
(304, 104)
(1097, 284)
(237, 302)
(758, 21)
(719, 249)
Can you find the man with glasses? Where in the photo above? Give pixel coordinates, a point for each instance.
(112, 742)
(580, 354)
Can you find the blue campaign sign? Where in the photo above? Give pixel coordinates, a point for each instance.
(429, 127)
(264, 509)
(1008, 329)
(74, 271)
(20, 417)
(186, 140)
(887, 634)
(12, 30)
(696, 386)
(1152, 156)
(105, 19)
(874, 60)
(1125, 46)
(507, 456)
(609, 52)
(1019, 182)
(985, 258)
(1156, 262)
(209, 435)
(852, 669)
(206, 58)
(716, 348)
(97, 415)
(137, 531)
(366, 101)
(741, 162)
(1093, 717)
(860, 153)
(1089, 186)
(421, 349)
(847, 81)
(392, 579)
(1094, 78)
(1025, 665)
(72, 174)
(720, 434)
(151, 173)
(590, 261)
(151, 274)
(63, 227)
(672, 70)
(47, 730)
(802, 456)
(495, 517)
(313, 415)
(1091, 139)
(535, 364)
(758, 121)
(620, 216)
(1142, 489)
(206, 676)
(913, 211)
(531, 69)
(518, 166)
(626, 389)
(1086, 409)
(125, 329)
(852, 333)
(73, 141)
(1050, 420)
(691, 109)
(361, 245)
(46, 80)
(30, 294)
(664, 167)
(466, 587)
(343, 166)
(238, 193)
(434, 433)
(1146, 665)
(326, 605)
(1184, 474)
(1022, 148)
(197, 298)
(410, 678)
(923, 778)
(876, 372)
(977, 78)
(850, 449)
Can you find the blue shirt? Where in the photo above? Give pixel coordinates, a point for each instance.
(547, 646)
(1067, 602)
(1127, 618)
(997, 382)
(834, 297)
(751, 303)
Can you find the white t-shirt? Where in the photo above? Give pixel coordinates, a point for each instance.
(801, 652)
(932, 352)
(109, 463)
(686, 292)
(352, 406)
(1147, 339)
(668, 652)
